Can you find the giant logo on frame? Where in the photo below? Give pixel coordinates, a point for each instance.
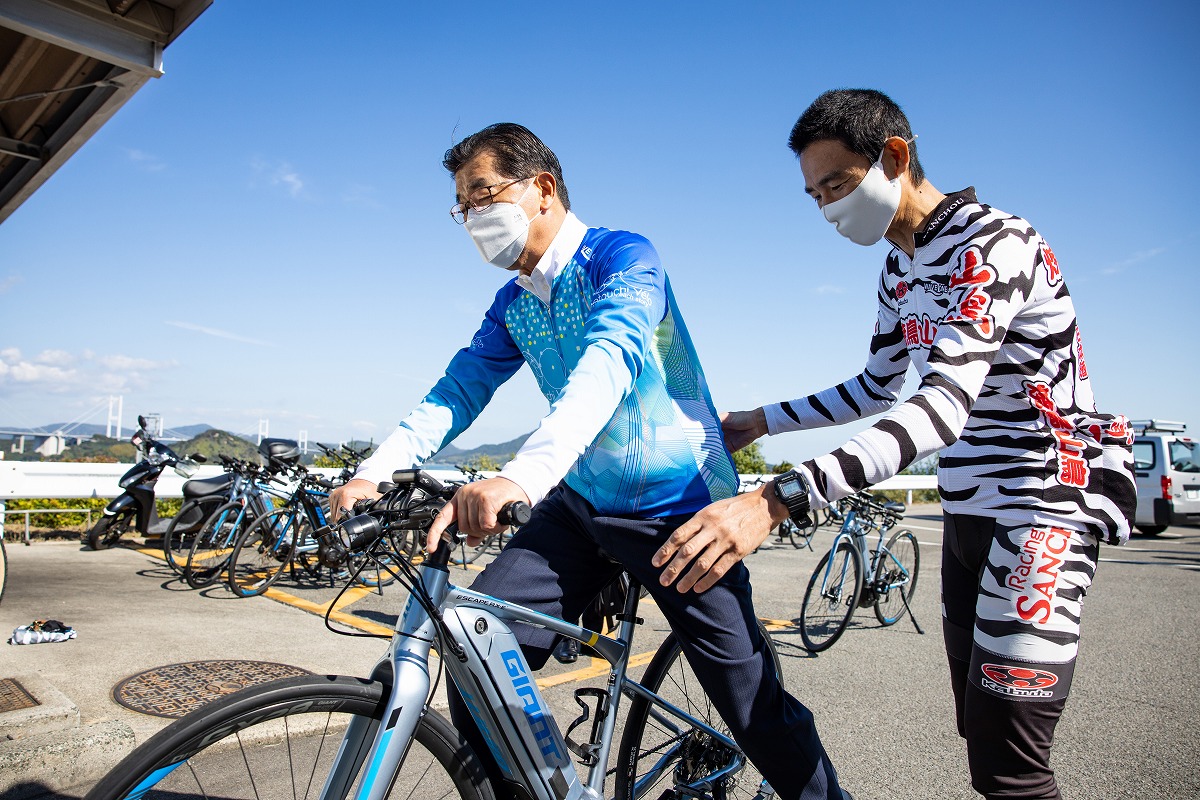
(1017, 681)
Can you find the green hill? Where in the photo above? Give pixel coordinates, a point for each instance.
(213, 443)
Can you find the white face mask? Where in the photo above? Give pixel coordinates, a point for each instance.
(500, 231)
(863, 216)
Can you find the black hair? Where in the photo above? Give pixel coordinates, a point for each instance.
(861, 119)
(518, 154)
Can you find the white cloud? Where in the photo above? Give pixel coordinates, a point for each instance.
(61, 372)
(280, 174)
(55, 358)
(9, 281)
(1136, 258)
(218, 333)
(827, 288)
(362, 196)
(134, 364)
(146, 161)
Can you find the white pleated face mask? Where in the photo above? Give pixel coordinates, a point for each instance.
(500, 231)
(863, 216)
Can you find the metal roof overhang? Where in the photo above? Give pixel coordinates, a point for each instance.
(66, 66)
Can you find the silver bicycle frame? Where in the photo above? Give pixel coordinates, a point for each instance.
(504, 699)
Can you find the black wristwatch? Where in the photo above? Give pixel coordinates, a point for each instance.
(792, 490)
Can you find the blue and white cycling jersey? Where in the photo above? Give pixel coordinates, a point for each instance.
(631, 425)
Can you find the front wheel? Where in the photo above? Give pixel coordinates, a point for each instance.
(264, 550)
(659, 752)
(3, 566)
(213, 545)
(896, 577)
(280, 739)
(177, 539)
(831, 596)
(1150, 530)
(107, 530)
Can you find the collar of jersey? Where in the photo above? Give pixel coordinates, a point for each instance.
(562, 249)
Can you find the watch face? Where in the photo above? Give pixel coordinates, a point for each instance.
(788, 488)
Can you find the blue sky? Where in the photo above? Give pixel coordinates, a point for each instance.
(263, 232)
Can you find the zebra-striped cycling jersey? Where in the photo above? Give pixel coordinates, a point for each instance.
(983, 313)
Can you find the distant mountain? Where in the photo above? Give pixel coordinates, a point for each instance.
(450, 455)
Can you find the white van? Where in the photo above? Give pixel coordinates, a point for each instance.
(1167, 467)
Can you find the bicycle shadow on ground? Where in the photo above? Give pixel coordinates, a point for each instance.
(167, 578)
(380, 617)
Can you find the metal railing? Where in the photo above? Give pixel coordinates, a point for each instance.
(5, 513)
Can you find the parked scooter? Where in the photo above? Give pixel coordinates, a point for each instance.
(136, 508)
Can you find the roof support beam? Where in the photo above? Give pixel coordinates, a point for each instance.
(83, 34)
(15, 147)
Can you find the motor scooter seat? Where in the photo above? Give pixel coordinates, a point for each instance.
(200, 487)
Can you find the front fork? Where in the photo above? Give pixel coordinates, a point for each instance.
(373, 742)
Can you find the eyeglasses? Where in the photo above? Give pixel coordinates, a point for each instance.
(484, 197)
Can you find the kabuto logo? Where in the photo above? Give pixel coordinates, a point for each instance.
(901, 290)
(1017, 681)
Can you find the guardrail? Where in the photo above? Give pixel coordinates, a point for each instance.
(63, 480)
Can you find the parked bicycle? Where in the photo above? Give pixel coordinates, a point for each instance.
(335, 737)
(295, 539)
(201, 497)
(837, 586)
(253, 495)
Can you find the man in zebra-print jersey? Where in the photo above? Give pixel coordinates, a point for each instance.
(1032, 477)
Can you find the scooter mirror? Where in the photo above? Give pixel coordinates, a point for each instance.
(199, 458)
(141, 421)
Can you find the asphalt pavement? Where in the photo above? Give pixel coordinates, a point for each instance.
(880, 695)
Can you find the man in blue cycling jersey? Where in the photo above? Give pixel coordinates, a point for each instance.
(630, 449)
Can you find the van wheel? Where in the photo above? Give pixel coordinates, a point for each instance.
(1150, 530)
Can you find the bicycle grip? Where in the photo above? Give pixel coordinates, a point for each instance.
(514, 513)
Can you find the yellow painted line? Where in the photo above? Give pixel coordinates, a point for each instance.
(599, 667)
(778, 624)
(348, 620)
(352, 596)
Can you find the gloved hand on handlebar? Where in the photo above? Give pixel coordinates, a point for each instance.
(474, 508)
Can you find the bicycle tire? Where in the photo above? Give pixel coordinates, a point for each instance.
(827, 607)
(647, 736)
(241, 734)
(891, 600)
(177, 539)
(107, 530)
(264, 551)
(212, 546)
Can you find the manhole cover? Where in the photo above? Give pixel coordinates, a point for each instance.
(178, 689)
(13, 696)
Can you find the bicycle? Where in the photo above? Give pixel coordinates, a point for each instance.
(212, 546)
(3, 565)
(290, 537)
(837, 586)
(367, 737)
(178, 537)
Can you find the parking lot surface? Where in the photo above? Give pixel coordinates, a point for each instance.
(880, 695)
